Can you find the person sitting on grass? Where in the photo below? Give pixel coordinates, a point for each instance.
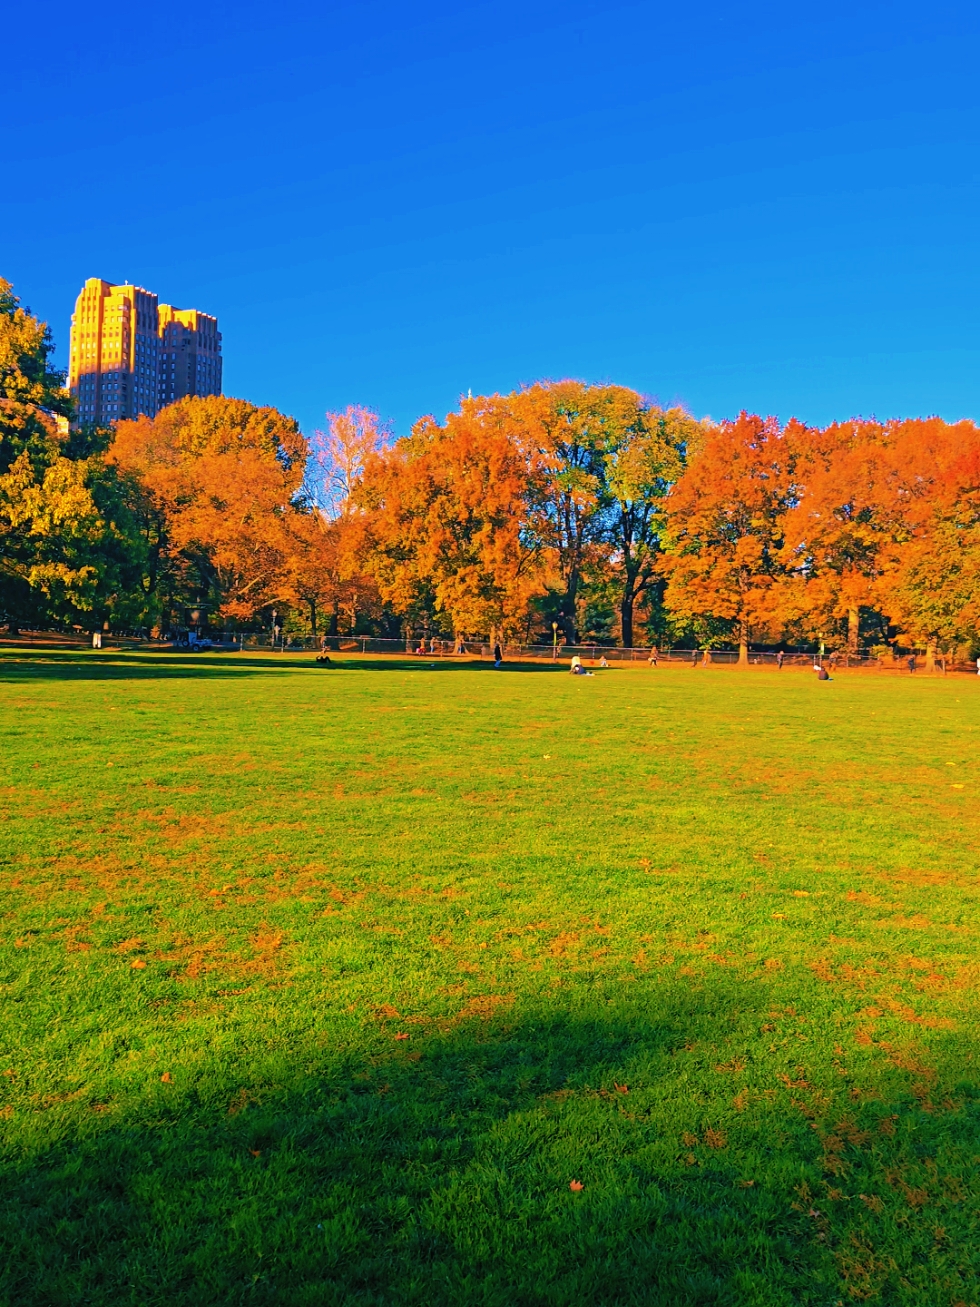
(822, 673)
(324, 658)
(577, 669)
(603, 662)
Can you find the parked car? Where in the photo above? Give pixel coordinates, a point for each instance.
(196, 643)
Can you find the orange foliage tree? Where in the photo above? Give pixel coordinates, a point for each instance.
(930, 586)
(725, 529)
(839, 529)
(449, 520)
(224, 480)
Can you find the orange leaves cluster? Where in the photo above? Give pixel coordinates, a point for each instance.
(746, 529)
(448, 511)
(223, 476)
(548, 489)
(774, 527)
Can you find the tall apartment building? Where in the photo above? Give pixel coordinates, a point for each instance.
(131, 355)
(190, 354)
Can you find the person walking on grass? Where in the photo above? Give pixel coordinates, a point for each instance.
(498, 656)
(652, 660)
(911, 662)
(779, 661)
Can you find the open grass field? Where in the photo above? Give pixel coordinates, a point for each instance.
(323, 987)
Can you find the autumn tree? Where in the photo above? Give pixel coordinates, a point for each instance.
(449, 513)
(571, 429)
(840, 525)
(726, 522)
(224, 482)
(930, 586)
(331, 576)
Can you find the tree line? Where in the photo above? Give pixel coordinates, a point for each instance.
(586, 510)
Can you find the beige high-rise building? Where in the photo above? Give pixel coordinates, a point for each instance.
(190, 354)
(131, 355)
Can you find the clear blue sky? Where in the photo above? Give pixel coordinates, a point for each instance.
(761, 205)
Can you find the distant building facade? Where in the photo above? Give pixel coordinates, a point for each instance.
(131, 355)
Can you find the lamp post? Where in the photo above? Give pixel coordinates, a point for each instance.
(554, 642)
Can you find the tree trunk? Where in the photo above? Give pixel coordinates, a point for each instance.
(332, 628)
(743, 645)
(313, 617)
(566, 618)
(626, 620)
(853, 631)
(931, 656)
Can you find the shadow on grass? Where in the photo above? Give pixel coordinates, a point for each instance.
(436, 1170)
(113, 666)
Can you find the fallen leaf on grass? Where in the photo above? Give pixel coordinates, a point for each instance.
(620, 1089)
(256, 1152)
(746, 1184)
(401, 1036)
(137, 964)
(165, 1078)
(575, 1185)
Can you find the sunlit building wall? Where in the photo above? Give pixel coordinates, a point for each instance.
(112, 369)
(131, 355)
(190, 354)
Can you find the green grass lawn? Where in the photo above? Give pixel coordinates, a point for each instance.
(324, 986)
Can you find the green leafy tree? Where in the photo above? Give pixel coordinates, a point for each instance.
(32, 393)
(49, 521)
(645, 459)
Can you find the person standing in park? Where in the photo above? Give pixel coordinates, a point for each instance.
(911, 661)
(652, 660)
(779, 660)
(498, 655)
